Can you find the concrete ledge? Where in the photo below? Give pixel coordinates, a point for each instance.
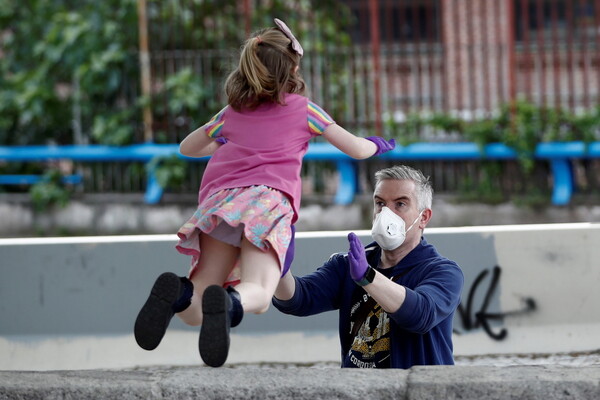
(514, 382)
(288, 381)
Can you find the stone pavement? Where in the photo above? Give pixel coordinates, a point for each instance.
(288, 381)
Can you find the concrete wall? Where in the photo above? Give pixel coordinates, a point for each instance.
(95, 286)
(108, 215)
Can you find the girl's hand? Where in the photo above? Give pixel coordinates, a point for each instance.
(355, 146)
(383, 146)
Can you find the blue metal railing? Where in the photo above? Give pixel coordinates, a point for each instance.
(559, 155)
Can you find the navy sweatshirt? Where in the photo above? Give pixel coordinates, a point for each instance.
(420, 330)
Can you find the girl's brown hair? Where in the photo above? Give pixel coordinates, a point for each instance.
(266, 71)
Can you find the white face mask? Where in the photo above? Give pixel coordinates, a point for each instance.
(388, 229)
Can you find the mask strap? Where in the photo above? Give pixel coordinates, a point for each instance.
(414, 222)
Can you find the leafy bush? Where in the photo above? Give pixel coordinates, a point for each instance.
(169, 171)
(62, 66)
(521, 125)
(49, 192)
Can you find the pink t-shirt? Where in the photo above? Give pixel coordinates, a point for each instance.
(264, 146)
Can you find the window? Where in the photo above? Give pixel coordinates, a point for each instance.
(399, 21)
(550, 20)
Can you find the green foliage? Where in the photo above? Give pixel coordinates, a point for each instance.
(169, 171)
(49, 192)
(408, 131)
(62, 65)
(113, 128)
(446, 122)
(520, 125)
(183, 94)
(193, 24)
(68, 71)
(185, 91)
(486, 189)
(534, 199)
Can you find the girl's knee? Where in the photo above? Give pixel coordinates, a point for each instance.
(263, 309)
(263, 304)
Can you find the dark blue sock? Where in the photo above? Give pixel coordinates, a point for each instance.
(185, 295)
(236, 312)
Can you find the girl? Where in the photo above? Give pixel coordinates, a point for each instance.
(249, 196)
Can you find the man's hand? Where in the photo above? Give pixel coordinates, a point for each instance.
(357, 258)
(383, 146)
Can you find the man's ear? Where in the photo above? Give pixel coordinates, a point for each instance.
(425, 217)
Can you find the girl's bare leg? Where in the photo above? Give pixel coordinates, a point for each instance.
(217, 259)
(222, 310)
(260, 275)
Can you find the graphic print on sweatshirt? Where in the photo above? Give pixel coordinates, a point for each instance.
(371, 345)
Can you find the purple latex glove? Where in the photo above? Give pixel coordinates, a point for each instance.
(357, 258)
(383, 146)
(289, 255)
(221, 140)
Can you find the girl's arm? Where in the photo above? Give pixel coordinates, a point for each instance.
(198, 144)
(354, 146)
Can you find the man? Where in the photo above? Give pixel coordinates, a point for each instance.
(396, 297)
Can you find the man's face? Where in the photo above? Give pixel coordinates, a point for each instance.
(399, 196)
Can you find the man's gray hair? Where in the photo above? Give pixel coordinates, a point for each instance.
(423, 188)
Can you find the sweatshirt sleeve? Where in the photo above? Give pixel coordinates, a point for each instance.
(317, 292)
(435, 298)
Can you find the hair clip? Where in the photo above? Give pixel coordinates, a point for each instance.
(287, 32)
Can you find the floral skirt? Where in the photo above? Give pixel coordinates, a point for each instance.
(259, 213)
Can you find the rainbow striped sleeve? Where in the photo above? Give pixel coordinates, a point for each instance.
(318, 120)
(214, 126)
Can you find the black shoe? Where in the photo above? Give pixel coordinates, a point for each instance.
(154, 317)
(214, 334)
